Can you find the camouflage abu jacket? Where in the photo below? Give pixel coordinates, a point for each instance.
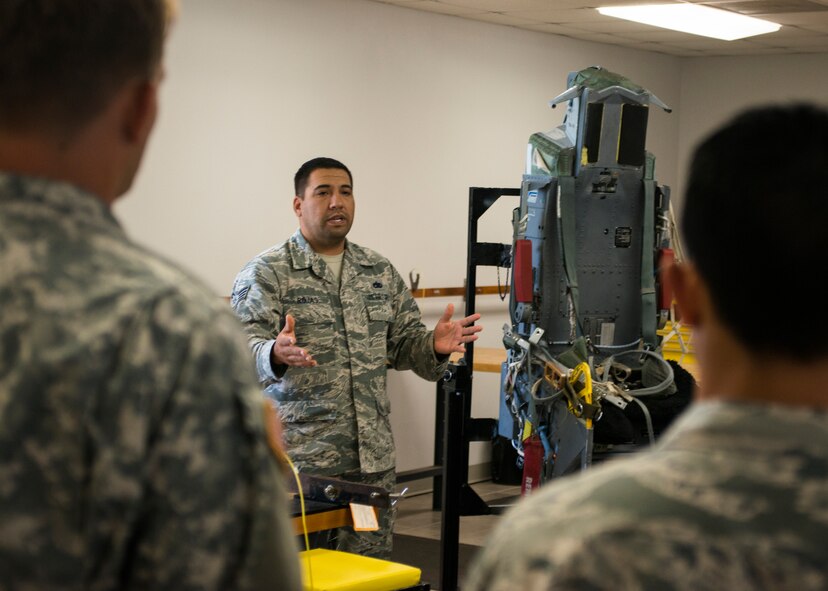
(335, 415)
(735, 496)
(132, 450)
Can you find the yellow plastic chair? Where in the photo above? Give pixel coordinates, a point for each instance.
(331, 570)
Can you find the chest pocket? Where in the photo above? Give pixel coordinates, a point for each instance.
(314, 327)
(379, 310)
(380, 316)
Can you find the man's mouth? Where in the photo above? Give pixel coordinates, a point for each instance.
(337, 219)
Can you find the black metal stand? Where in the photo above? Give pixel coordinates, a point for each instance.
(458, 428)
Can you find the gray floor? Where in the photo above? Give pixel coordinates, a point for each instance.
(416, 518)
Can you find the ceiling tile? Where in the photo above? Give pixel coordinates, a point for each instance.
(785, 33)
(597, 37)
(717, 45)
(795, 18)
(812, 42)
(443, 8)
(557, 15)
(741, 51)
(408, 3)
(668, 49)
(657, 35)
(754, 7)
(500, 5)
(501, 19)
(615, 26)
(550, 28)
(805, 23)
(586, 4)
(815, 27)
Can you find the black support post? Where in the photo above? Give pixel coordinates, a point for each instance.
(456, 427)
(452, 479)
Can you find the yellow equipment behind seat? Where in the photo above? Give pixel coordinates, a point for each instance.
(677, 345)
(330, 570)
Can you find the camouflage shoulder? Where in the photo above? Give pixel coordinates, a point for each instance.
(264, 263)
(262, 270)
(272, 255)
(366, 256)
(148, 280)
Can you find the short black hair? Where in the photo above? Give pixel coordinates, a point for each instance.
(300, 179)
(755, 224)
(61, 60)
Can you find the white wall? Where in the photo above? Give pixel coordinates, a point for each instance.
(420, 106)
(715, 89)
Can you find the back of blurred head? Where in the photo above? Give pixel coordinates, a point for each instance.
(80, 75)
(754, 226)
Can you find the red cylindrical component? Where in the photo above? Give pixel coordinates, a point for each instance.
(532, 464)
(522, 271)
(666, 256)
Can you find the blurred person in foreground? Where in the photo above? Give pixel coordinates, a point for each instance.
(133, 449)
(735, 496)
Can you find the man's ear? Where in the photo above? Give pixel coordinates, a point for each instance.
(140, 110)
(688, 291)
(297, 206)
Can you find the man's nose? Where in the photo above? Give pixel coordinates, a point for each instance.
(335, 201)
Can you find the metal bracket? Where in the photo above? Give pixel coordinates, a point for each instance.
(334, 490)
(616, 400)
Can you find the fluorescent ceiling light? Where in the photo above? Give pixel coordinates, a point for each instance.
(694, 19)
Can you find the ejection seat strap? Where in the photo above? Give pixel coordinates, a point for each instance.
(648, 293)
(567, 233)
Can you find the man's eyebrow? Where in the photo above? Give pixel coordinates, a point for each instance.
(328, 186)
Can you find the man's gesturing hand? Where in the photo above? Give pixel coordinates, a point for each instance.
(451, 336)
(285, 351)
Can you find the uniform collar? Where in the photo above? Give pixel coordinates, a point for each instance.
(303, 256)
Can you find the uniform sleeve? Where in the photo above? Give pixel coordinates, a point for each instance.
(213, 513)
(410, 343)
(257, 304)
(510, 559)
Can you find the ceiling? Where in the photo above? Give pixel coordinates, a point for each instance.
(804, 24)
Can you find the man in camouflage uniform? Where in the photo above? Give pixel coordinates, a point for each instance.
(326, 318)
(735, 496)
(132, 435)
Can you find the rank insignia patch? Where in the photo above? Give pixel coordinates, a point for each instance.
(238, 296)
